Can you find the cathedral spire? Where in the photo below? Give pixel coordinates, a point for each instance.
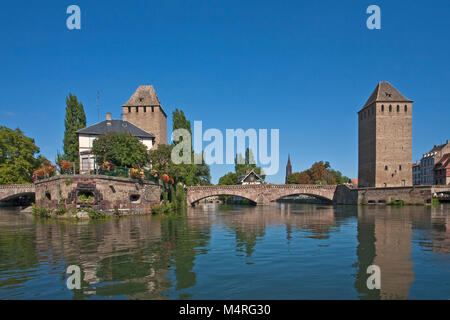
(288, 169)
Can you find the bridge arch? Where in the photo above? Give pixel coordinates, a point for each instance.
(17, 192)
(224, 194)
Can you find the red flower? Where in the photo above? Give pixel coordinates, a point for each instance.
(165, 178)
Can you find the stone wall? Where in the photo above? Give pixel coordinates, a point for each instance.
(410, 195)
(108, 193)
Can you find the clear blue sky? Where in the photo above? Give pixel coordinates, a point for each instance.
(305, 67)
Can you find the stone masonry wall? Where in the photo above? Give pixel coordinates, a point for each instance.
(109, 193)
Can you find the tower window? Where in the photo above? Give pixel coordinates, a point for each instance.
(406, 108)
(398, 108)
(390, 108)
(153, 109)
(385, 168)
(382, 107)
(145, 109)
(400, 168)
(129, 109)
(137, 109)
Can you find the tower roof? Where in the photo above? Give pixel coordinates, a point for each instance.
(143, 96)
(289, 160)
(385, 92)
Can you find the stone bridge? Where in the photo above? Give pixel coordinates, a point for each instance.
(261, 194)
(10, 192)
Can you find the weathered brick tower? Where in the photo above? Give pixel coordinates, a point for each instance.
(385, 139)
(144, 110)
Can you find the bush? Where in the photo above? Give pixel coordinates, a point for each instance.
(94, 214)
(61, 209)
(40, 212)
(69, 181)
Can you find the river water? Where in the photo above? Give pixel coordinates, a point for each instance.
(282, 251)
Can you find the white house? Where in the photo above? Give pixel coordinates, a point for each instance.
(86, 137)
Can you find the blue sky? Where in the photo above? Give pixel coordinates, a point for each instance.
(304, 67)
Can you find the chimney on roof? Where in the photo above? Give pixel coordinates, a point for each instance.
(108, 116)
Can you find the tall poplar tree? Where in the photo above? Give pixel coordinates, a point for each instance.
(75, 120)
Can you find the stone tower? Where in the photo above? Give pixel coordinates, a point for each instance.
(144, 110)
(288, 169)
(385, 139)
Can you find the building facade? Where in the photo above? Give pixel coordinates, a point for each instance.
(429, 160)
(416, 173)
(144, 110)
(86, 137)
(385, 139)
(442, 170)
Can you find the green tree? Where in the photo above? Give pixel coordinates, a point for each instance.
(75, 120)
(179, 121)
(228, 179)
(243, 165)
(17, 156)
(122, 149)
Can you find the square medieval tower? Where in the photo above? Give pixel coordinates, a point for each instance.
(144, 110)
(385, 139)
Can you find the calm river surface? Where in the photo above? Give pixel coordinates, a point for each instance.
(282, 251)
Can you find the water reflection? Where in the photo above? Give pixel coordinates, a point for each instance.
(285, 251)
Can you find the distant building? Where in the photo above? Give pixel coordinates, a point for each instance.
(442, 170)
(288, 169)
(429, 160)
(86, 137)
(416, 173)
(385, 139)
(353, 182)
(250, 178)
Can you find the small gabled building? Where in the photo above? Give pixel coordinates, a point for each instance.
(251, 177)
(86, 137)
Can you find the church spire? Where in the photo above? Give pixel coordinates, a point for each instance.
(288, 169)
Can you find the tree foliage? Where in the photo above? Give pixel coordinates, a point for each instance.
(319, 173)
(122, 149)
(75, 120)
(17, 156)
(228, 179)
(243, 165)
(189, 174)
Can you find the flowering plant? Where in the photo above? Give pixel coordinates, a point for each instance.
(65, 165)
(45, 171)
(165, 178)
(137, 173)
(108, 165)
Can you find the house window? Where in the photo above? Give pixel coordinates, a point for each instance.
(390, 108)
(84, 163)
(145, 109)
(406, 108)
(137, 109)
(129, 109)
(400, 167)
(398, 108)
(385, 168)
(382, 107)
